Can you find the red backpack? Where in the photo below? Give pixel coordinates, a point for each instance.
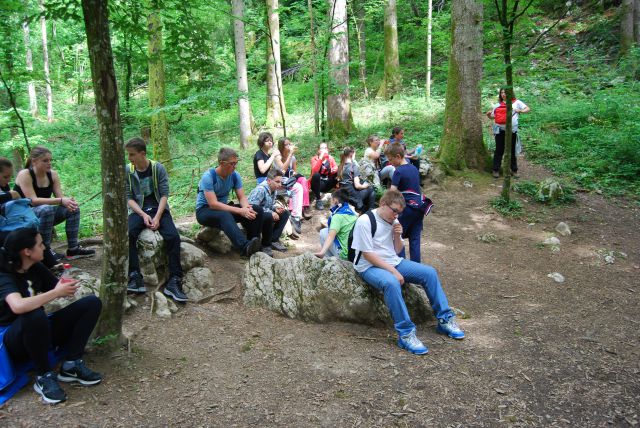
(500, 114)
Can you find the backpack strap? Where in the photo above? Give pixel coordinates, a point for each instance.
(374, 228)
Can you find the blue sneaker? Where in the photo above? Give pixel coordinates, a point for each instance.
(450, 327)
(412, 344)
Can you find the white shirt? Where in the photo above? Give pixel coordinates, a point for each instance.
(381, 244)
(517, 104)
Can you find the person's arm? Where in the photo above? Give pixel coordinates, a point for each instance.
(263, 166)
(333, 165)
(258, 197)
(358, 185)
(247, 209)
(376, 261)
(523, 108)
(163, 191)
(331, 236)
(23, 179)
(316, 163)
(8, 196)
(284, 165)
(68, 203)
(20, 305)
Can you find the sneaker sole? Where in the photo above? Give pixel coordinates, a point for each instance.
(439, 330)
(137, 290)
(173, 296)
(47, 400)
(85, 256)
(69, 379)
(412, 351)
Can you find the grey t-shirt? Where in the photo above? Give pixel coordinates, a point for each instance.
(381, 244)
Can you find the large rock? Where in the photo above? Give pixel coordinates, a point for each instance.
(215, 239)
(197, 283)
(321, 290)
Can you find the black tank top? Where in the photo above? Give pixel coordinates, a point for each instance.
(41, 192)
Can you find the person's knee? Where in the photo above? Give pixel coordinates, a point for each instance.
(35, 320)
(91, 303)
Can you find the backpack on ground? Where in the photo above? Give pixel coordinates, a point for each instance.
(351, 255)
(18, 214)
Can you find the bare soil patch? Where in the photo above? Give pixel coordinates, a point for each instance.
(537, 353)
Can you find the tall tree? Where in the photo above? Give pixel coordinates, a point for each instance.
(429, 23)
(314, 71)
(45, 59)
(276, 110)
(339, 118)
(114, 208)
(358, 16)
(508, 14)
(33, 100)
(392, 78)
(159, 127)
(462, 144)
(626, 25)
(244, 108)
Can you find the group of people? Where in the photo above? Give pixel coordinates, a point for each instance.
(374, 236)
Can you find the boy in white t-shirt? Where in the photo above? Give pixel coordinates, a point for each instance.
(379, 265)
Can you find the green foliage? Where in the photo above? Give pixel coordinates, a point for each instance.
(511, 208)
(531, 188)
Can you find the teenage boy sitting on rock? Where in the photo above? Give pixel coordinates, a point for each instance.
(334, 239)
(213, 209)
(147, 193)
(379, 265)
(274, 219)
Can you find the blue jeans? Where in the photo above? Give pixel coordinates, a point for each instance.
(411, 221)
(227, 222)
(415, 273)
(169, 234)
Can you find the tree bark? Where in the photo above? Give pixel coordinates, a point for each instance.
(33, 99)
(314, 71)
(159, 127)
(276, 110)
(636, 22)
(392, 79)
(429, 24)
(462, 144)
(45, 58)
(339, 118)
(114, 208)
(359, 17)
(627, 26)
(244, 109)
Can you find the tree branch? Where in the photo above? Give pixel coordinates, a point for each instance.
(12, 100)
(547, 30)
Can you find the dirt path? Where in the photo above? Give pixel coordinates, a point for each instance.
(537, 353)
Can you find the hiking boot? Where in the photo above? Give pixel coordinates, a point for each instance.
(79, 252)
(278, 246)
(267, 250)
(48, 388)
(251, 247)
(297, 226)
(57, 257)
(305, 213)
(79, 373)
(495, 174)
(136, 284)
(320, 205)
(412, 344)
(450, 327)
(173, 289)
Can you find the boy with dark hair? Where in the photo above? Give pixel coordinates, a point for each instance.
(379, 265)
(273, 219)
(147, 194)
(213, 209)
(334, 239)
(406, 179)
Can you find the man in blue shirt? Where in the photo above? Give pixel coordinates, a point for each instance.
(213, 209)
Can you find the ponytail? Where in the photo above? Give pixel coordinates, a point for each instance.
(348, 151)
(16, 241)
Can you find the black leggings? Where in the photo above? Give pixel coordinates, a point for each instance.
(363, 199)
(32, 333)
(318, 185)
(497, 155)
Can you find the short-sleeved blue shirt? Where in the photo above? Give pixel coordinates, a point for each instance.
(222, 187)
(407, 179)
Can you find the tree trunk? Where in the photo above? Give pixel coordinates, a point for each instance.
(626, 26)
(339, 118)
(429, 24)
(244, 109)
(636, 22)
(415, 9)
(33, 99)
(128, 47)
(114, 208)
(276, 110)
(358, 18)
(45, 58)
(462, 145)
(159, 128)
(314, 71)
(79, 75)
(392, 79)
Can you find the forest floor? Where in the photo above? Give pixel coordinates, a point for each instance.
(537, 353)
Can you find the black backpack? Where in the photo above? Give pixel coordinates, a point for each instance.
(351, 255)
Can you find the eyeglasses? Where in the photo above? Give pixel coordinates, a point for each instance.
(233, 164)
(396, 211)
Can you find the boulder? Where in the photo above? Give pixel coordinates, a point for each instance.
(321, 290)
(153, 258)
(563, 229)
(549, 190)
(197, 283)
(551, 241)
(161, 305)
(214, 239)
(191, 256)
